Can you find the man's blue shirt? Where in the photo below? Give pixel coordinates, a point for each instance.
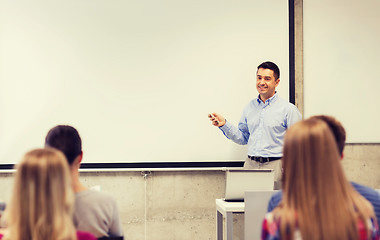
(263, 125)
(368, 193)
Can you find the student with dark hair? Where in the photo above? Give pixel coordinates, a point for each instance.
(263, 123)
(340, 137)
(94, 211)
(318, 202)
(42, 201)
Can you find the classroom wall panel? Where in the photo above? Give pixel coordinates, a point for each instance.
(341, 58)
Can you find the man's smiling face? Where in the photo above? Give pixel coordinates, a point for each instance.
(266, 83)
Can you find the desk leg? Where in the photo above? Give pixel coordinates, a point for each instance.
(229, 222)
(219, 225)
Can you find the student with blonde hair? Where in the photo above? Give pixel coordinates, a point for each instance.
(42, 202)
(339, 133)
(318, 202)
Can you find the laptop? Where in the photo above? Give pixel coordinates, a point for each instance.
(242, 180)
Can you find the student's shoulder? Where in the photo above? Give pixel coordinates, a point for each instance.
(274, 200)
(94, 194)
(370, 194)
(270, 227)
(277, 195)
(366, 191)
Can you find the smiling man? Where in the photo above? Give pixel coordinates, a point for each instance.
(263, 123)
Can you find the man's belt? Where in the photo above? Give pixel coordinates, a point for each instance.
(263, 159)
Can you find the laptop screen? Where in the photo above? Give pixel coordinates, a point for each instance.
(242, 180)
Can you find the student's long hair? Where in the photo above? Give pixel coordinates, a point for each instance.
(317, 198)
(42, 201)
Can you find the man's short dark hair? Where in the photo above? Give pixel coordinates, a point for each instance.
(66, 139)
(336, 128)
(272, 66)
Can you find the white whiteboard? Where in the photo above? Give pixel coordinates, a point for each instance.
(136, 78)
(341, 62)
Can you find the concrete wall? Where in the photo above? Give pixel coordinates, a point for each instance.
(362, 164)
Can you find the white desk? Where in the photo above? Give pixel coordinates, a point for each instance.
(226, 209)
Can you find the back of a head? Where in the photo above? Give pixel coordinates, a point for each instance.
(42, 201)
(309, 146)
(337, 129)
(66, 139)
(272, 66)
(315, 186)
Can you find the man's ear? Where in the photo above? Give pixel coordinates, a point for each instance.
(80, 157)
(277, 81)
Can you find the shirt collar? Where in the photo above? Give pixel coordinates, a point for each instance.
(268, 101)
